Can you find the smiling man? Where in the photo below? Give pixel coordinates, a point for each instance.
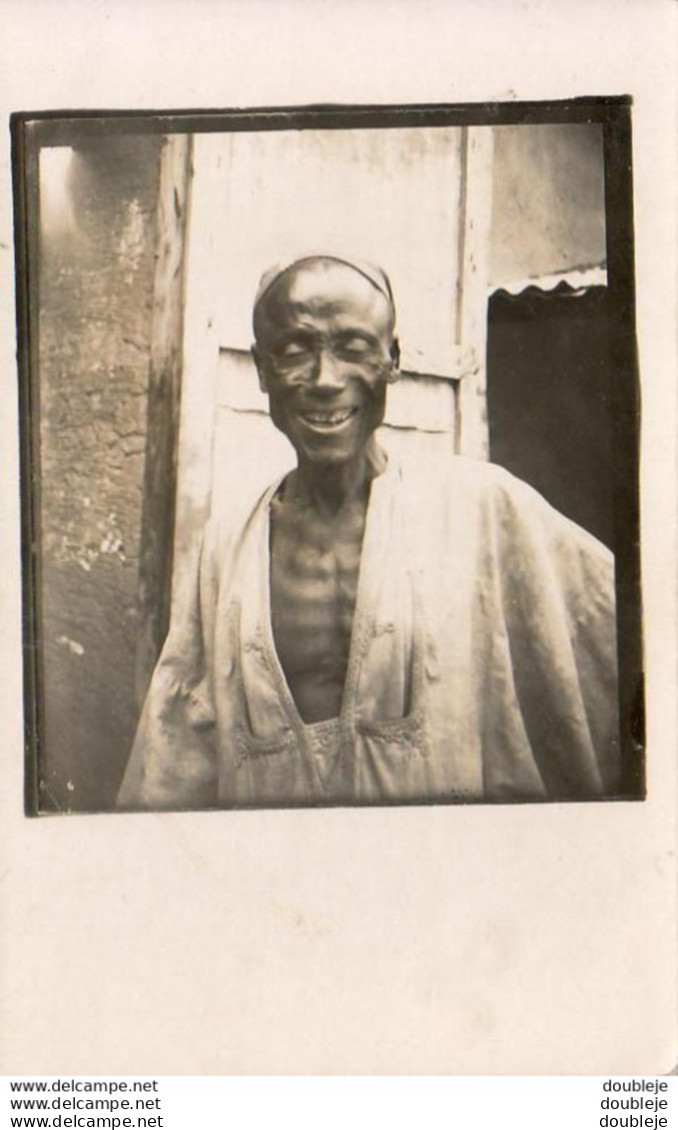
(373, 632)
(325, 353)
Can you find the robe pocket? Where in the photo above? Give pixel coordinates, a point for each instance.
(249, 747)
(269, 770)
(407, 735)
(393, 759)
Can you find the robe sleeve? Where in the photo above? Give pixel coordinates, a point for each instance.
(173, 763)
(558, 600)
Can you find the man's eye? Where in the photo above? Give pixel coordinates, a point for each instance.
(293, 349)
(356, 347)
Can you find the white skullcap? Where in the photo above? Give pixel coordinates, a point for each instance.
(376, 275)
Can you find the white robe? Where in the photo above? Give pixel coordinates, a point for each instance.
(482, 663)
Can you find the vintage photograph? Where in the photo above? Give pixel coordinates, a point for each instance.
(329, 426)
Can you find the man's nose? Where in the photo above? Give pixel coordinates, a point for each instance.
(328, 372)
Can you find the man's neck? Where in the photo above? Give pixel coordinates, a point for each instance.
(329, 488)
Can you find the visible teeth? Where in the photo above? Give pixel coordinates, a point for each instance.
(328, 419)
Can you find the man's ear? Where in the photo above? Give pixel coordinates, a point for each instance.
(395, 361)
(260, 367)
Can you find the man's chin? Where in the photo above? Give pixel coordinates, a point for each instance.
(327, 454)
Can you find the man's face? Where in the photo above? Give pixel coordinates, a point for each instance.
(325, 352)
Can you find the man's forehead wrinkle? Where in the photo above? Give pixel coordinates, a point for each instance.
(317, 266)
(306, 296)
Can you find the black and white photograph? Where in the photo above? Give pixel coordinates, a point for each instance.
(330, 449)
(338, 516)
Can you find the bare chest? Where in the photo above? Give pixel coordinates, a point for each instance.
(315, 566)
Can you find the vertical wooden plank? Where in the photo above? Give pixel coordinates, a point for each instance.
(476, 204)
(164, 393)
(204, 270)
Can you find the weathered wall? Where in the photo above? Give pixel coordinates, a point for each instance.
(96, 280)
(548, 201)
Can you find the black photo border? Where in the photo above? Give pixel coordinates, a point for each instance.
(32, 130)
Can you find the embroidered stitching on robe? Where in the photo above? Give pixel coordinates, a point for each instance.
(482, 661)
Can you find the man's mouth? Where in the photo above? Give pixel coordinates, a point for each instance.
(328, 420)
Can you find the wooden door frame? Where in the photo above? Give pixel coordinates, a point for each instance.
(164, 400)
